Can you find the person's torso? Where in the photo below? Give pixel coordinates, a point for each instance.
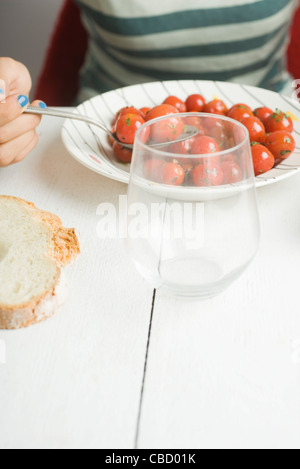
(135, 41)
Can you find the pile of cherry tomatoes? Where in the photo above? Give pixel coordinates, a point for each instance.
(270, 136)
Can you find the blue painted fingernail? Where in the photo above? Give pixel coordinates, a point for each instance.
(42, 105)
(2, 90)
(23, 100)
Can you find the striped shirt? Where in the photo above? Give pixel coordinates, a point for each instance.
(139, 41)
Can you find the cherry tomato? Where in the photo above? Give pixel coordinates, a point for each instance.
(195, 122)
(229, 158)
(255, 128)
(240, 106)
(127, 110)
(186, 163)
(205, 175)
(144, 111)
(204, 145)
(210, 124)
(279, 121)
(111, 141)
(159, 111)
(152, 169)
(216, 129)
(195, 103)
(232, 172)
(172, 174)
(239, 112)
(144, 134)
(216, 106)
(127, 125)
(278, 161)
(262, 113)
(281, 143)
(182, 148)
(263, 159)
(122, 154)
(166, 130)
(176, 102)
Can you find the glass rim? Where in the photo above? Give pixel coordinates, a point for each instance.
(189, 155)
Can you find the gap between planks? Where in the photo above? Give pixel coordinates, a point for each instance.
(136, 440)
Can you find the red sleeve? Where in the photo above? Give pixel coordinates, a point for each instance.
(294, 47)
(59, 80)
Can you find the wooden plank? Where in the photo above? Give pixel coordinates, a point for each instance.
(74, 381)
(225, 373)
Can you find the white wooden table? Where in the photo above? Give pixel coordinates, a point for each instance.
(117, 367)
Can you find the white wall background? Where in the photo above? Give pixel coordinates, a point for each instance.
(25, 29)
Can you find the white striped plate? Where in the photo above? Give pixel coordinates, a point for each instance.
(90, 147)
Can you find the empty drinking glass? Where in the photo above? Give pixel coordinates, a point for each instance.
(193, 224)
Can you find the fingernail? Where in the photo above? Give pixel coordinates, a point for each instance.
(2, 91)
(23, 100)
(42, 105)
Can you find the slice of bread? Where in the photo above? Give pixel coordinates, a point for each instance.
(33, 248)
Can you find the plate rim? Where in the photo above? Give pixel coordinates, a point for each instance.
(124, 176)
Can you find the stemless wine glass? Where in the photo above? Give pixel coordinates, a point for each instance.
(193, 223)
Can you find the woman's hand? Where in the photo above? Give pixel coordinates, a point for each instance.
(17, 130)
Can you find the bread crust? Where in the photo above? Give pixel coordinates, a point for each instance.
(26, 315)
(64, 247)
